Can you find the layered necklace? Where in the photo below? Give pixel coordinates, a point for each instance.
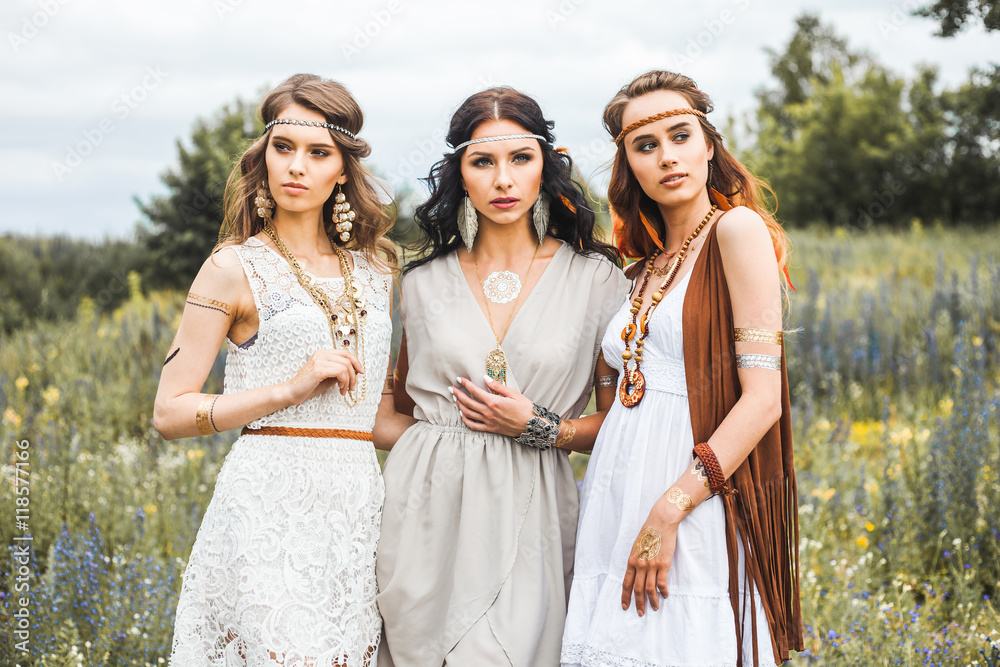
(633, 384)
(496, 360)
(343, 315)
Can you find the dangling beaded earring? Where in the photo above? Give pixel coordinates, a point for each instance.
(709, 174)
(263, 201)
(540, 215)
(343, 216)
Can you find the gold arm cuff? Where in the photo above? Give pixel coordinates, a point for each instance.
(759, 336)
(203, 418)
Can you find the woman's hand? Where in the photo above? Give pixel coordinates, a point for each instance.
(506, 412)
(324, 369)
(650, 560)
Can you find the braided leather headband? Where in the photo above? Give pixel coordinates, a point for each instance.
(502, 137)
(716, 480)
(310, 123)
(660, 116)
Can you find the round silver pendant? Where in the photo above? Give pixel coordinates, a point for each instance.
(502, 286)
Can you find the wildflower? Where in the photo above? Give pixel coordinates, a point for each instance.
(869, 526)
(51, 396)
(11, 417)
(21, 383)
(863, 542)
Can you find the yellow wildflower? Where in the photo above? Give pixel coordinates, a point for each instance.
(11, 417)
(830, 493)
(869, 526)
(21, 383)
(150, 509)
(51, 396)
(863, 542)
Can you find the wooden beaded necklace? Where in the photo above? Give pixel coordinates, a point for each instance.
(633, 384)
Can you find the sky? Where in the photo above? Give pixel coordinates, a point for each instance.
(95, 95)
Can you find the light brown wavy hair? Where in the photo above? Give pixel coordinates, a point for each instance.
(629, 203)
(337, 106)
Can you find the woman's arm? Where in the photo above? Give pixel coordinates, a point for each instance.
(507, 412)
(390, 422)
(220, 302)
(752, 275)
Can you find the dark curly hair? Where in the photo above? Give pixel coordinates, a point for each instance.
(571, 219)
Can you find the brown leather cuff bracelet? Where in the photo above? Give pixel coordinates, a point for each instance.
(716, 480)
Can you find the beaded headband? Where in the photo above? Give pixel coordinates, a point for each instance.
(310, 123)
(499, 138)
(660, 116)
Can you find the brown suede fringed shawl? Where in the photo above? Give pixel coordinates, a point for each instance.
(763, 511)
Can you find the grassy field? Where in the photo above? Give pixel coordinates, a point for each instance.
(895, 382)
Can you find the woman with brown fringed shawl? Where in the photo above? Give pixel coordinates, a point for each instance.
(687, 551)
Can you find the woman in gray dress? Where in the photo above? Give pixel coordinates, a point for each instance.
(503, 317)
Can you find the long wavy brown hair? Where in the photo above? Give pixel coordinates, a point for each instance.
(630, 204)
(338, 106)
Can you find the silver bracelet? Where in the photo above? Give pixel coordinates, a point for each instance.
(769, 361)
(542, 431)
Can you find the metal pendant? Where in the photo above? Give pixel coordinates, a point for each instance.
(496, 365)
(632, 388)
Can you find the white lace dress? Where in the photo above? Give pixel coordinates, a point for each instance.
(282, 571)
(638, 454)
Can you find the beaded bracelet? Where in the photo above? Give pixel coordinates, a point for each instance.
(716, 480)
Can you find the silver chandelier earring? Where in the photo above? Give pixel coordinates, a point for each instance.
(343, 216)
(468, 222)
(540, 215)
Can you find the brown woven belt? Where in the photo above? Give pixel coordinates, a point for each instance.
(308, 432)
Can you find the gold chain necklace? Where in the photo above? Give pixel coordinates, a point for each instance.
(344, 321)
(633, 384)
(496, 360)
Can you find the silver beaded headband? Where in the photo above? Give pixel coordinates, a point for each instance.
(310, 123)
(500, 138)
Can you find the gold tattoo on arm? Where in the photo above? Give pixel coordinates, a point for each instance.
(699, 471)
(211, 304)
(566, 436)
(677, 497)
(304, 371)
(204, 419)
(758, 336)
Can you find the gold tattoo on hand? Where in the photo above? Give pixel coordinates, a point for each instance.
(648, 544)
(304, 371)
(566, 436)
(699, 471)
(211, 304)
(677, 497)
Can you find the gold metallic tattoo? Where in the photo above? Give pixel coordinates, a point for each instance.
(682, 500)
(204, 418)
(304, 371)
(648, 544)
(567, 436)
(211, 304)
(699, 471)
(759, 336)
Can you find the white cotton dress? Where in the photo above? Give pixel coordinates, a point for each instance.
(282, 571)
(638, 454)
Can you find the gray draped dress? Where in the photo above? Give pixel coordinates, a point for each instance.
(475, 558)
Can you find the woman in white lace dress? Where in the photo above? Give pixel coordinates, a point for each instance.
(283, 568)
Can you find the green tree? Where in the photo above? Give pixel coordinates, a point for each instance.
(182, 227)
(954, 14)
